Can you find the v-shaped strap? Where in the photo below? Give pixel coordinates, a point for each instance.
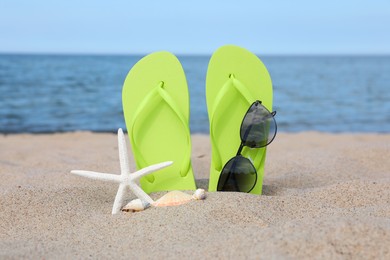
(146, 106)
(232, 84)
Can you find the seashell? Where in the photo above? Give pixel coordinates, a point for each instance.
(173, 198)
(199, 194)
(136, 205)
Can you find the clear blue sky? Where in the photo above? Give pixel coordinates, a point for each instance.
(198, 27)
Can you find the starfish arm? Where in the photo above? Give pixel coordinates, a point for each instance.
(149, 169)
(123, 155)
(140, 192)
(119, 198)
(98, 175)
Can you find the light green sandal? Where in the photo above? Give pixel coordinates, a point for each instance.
(156, 109)
(235, 79)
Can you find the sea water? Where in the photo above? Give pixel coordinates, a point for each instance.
(57, 93)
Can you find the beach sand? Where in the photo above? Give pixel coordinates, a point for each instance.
(324, 196)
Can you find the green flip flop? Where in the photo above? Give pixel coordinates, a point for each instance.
(156, 109)
(235, 79)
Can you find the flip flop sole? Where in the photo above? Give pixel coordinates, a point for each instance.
(156, 109)
(235, 79)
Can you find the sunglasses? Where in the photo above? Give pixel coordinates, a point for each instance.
(258, 129)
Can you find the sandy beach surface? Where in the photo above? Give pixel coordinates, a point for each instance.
(324, 196)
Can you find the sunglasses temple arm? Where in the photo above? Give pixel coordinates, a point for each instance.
(240, 149)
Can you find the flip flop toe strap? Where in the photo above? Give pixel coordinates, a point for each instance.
(150, 101)
(232, 84)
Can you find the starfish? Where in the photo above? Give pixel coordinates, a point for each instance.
(126, 179)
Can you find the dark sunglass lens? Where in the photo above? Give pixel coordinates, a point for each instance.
(258, 127)
(239, 174)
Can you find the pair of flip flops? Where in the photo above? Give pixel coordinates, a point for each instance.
(156, 108)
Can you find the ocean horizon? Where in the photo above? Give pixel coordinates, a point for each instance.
(48, 93)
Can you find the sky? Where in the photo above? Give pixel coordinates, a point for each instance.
(277, 27)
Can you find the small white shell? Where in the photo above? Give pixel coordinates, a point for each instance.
(136, 205)
(199, 194)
